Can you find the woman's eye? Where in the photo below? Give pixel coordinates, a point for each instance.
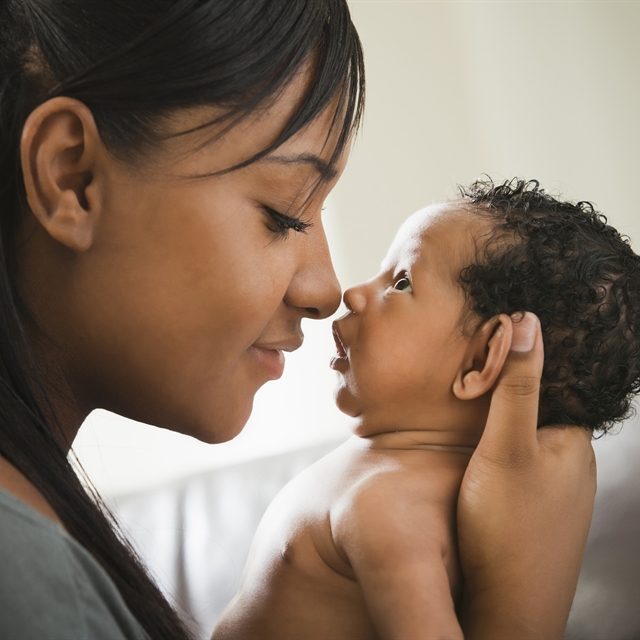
(282, 223)
(404, 284)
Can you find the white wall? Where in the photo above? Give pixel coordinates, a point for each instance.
(546, 90)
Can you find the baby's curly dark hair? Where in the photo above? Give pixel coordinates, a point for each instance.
(563, 262)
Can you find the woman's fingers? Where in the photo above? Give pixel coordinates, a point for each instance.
(512, 421)
(524, 507)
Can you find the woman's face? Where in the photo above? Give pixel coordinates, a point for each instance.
(192, 288)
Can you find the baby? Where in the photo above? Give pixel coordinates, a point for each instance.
(363, 543)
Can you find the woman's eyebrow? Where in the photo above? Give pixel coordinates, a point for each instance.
(327, 173)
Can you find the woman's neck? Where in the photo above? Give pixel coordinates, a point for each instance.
(13, 482)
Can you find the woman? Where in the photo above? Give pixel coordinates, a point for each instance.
(162, 169)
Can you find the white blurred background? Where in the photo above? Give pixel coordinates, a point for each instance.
(538, 89)
(545, 90)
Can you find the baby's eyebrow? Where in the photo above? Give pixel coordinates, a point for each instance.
(386, 267)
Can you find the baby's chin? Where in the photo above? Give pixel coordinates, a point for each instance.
(346, 401)
(367, 421)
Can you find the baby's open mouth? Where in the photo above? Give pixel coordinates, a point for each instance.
(342, 352)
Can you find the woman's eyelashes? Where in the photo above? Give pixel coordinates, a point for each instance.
(282, 223)
(403, 283)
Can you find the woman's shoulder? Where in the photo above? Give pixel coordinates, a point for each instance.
(50, 586)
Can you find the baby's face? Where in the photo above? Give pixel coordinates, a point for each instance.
(401, 345)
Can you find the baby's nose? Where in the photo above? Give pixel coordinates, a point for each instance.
(355, 298)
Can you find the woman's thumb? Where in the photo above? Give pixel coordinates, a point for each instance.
(513, 415)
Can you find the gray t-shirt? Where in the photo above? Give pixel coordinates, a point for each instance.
(51, 587)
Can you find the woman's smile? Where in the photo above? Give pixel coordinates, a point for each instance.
(271, 360)
(270, 355)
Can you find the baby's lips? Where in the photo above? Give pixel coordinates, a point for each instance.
(342, 352)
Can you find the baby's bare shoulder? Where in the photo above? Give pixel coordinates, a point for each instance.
(406, 478)
(399, 493)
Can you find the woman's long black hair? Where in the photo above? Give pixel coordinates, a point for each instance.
(133, 62)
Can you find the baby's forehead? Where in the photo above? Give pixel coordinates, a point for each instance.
(437, 214)
(445, 228)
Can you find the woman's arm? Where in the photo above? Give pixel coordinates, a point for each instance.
(524, 509)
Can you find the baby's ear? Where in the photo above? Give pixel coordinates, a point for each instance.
(484, 358)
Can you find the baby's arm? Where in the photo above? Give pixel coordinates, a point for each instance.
(395, 540)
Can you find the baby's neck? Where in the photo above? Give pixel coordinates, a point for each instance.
(410, 439)
(456, 425)
(448, 424)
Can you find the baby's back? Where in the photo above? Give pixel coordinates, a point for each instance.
(359, 541)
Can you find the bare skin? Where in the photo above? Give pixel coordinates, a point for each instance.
(171, 300)
(359, 546)
(364, 543)
(167, 297)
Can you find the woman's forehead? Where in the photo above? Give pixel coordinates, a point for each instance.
(204, 136)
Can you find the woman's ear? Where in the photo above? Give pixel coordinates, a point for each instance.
(484, 358)
(60, 149)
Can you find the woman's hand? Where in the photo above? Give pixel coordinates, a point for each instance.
(524, 509)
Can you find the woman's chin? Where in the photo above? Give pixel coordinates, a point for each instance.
(223, 428)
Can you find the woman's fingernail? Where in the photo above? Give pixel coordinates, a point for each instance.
(525, 328)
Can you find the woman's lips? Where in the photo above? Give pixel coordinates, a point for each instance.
(339, 361)
(271, 360)
(270, 355)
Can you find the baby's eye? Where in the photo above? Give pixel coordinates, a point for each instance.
(404, 284)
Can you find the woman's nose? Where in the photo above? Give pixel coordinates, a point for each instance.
(355, 298)
(315, 287)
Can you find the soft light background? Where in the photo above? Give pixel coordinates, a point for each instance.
(546, 90)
